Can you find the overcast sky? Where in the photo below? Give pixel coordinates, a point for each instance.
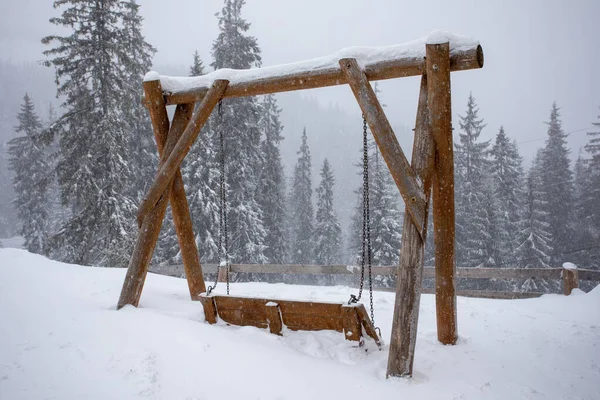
(536, 51)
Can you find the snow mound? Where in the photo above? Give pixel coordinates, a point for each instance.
(61, 337)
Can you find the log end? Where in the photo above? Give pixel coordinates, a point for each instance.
(480, 56)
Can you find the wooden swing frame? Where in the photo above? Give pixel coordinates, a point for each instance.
(432, 169)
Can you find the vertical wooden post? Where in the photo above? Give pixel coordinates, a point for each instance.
(570, 278)
(410, 270)
(149, 231)
(179, 204)
(440, 116)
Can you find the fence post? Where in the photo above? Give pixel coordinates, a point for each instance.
(570, 278)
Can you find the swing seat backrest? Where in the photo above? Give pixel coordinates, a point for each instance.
(351, 319)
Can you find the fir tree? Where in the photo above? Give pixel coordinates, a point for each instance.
(507, 177)
(557, 182)
(583, 232)
(98, 70)
(302, 207)
(327, 227)
(28, 161)
(535, 246)
(385, 216)
(589, 203)
(474, 240)
(271, 194)
(233, 48)
(197, 67)
(7, 212)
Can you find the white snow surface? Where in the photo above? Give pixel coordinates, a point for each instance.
(61, 338)
(569, 265)
(363, 55)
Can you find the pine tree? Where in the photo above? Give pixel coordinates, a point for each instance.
(535, 246)
(507, 177)
(302, 207)
(7, 212)
(197, 67)
(96, 67)
(557, 181)
(328, 233)
(583, 234)
(271, 194)
(28, 161)
(385, 216)
(474, 241)
(233, 48)
(589, 199)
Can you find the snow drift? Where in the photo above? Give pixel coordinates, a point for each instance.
(61, 337)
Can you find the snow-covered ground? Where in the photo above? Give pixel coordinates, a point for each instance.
(61, 338)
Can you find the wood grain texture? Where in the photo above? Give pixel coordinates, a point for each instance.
(570, 280)
(149, 231)
(295, 315)
(171, 161)
(274, 318)
(389, 69)
(210, 308)
(410, 271)
(386, 140)
(179, 205)
(440, 117)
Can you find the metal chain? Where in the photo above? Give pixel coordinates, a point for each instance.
(366, 229)
(223, 245)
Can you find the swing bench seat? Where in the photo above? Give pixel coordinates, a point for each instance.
(350, 319)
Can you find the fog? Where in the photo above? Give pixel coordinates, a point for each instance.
(536, 52)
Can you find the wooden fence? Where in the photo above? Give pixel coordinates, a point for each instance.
(569, 277)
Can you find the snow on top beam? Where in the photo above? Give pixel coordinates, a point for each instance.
(378, 63)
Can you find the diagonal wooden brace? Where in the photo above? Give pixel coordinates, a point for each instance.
(392, 153)
(172, 161)
(179, 205)
(148, 234)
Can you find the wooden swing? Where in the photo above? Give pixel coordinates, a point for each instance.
(350, 318)
(430, 171)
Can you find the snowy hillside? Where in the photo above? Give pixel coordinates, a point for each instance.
(60, 337)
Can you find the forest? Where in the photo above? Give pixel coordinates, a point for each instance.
(72, 177)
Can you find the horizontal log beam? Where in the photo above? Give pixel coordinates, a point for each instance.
(428, 272)
(460, 60)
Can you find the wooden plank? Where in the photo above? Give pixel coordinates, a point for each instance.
(367, 324)
(351, 324)
(588, 275)
(172, 160)
(460, 60)
(294, 315)
(480, 294)
(440, 117)
(179, 205)
(408, 291)
(386, 140)
(428, 272)
(274, 318)
(210, 308)
(307, 322)
(147, 236)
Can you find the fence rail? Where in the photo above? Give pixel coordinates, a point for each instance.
(570, 277)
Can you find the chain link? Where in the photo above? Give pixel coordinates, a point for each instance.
(223, 245)
(366, 230)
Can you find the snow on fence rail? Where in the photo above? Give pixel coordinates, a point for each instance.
(570, 276)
